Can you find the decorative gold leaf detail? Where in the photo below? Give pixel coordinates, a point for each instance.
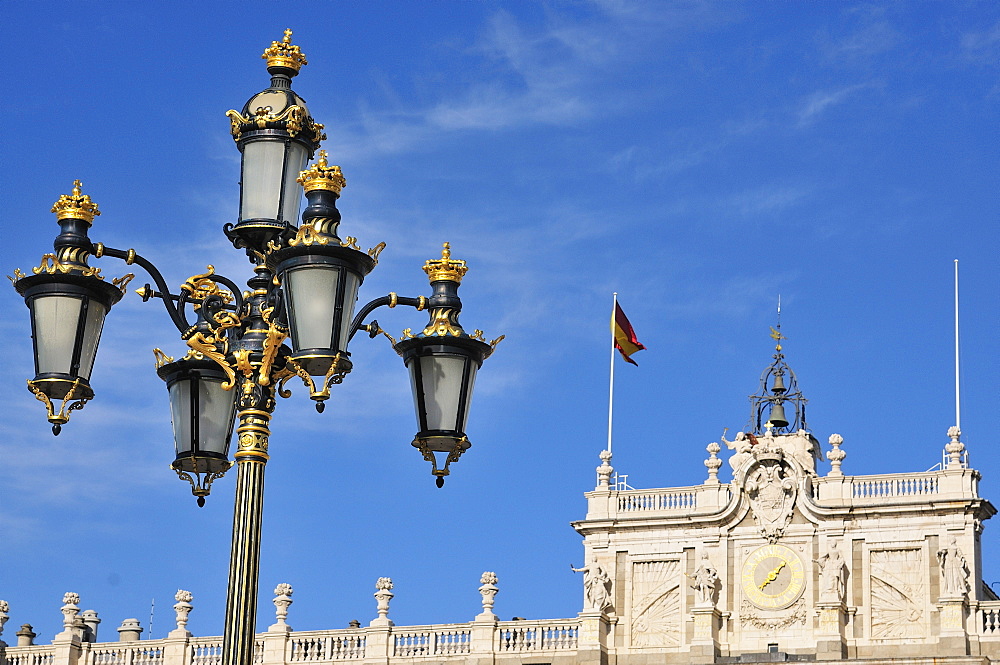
(161, 358)
(18, 275)
(307, 235)
(407, 334)
(122, 282)
(375, 251)
(493, 344)
(243, 365)
(209, 347)
(272, 344)
(442, 324)
(200, 287)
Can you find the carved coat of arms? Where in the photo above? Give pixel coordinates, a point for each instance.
(772, 495)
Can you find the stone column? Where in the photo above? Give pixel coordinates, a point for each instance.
(592, 643)
(830, 638)
(705, 641)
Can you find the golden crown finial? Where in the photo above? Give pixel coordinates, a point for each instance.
(446, 268)
(322, 176)
(285, 54)
(75, 206)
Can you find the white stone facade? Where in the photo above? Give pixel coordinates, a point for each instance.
(779, 564)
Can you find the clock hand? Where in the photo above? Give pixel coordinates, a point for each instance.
(771, 576)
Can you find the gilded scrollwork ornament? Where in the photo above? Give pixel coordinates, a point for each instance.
(339, 368)
(444, 322)
(60, 418)
(201, 287)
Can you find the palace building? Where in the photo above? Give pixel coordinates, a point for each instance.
(781, 564)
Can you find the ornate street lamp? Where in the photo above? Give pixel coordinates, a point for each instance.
(303, 289)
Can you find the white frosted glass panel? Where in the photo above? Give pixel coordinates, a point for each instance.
(350, 298)
(297, 156)
(91, 337)
(442, 377)
(215, 415)
(55, 332)
(262, 161)
(468, 393)
(311, 295)
(180, 415)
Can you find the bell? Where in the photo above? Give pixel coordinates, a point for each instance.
(778, 385)
(777, 419)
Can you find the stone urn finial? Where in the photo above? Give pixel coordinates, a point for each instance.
(181, 610)
(489, 591)
(383, 595)
(282, 601)
(836, 456)
(713, 463)
(70, 609)
(604, 471)
(954, 448)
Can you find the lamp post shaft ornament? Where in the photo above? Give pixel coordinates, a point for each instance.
(295, 320)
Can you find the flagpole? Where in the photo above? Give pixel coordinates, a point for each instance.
(958, 403)
(611, 383)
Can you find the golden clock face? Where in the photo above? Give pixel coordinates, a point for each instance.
(773, 577)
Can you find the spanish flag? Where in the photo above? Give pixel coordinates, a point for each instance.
(624, 337)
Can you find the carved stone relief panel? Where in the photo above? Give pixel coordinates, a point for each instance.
(656, 603)
(898, 595)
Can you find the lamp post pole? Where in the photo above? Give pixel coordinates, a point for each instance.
(295, 320)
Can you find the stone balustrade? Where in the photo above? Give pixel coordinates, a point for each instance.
(873, 490)
(988, 619)
(443, 643)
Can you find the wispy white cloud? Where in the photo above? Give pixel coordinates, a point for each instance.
(981, 43)
(866, 33)
(525, 76)
(818, 102)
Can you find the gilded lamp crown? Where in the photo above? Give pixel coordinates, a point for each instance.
(446, 268)
(322, 176)
(285, 54)
(75, 206)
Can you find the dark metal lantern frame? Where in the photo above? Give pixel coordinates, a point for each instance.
(238, 362)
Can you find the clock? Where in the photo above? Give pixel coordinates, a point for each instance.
(773, 577)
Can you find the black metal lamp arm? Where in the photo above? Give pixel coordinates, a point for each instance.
(176, 314)
(390, 300)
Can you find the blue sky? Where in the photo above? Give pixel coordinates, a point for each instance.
(698, 158)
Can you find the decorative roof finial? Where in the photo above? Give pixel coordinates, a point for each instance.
(322, 176)
(285, 54)
(445, 268)
(778, 387)
(75, 206)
